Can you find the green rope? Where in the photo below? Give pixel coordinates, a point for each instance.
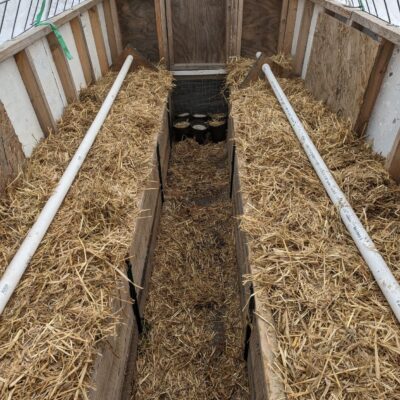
(360, 3)
(61, 41)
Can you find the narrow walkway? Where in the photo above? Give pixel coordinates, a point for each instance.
(192, 348)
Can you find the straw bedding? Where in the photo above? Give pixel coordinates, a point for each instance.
(53, 326)
(336, 334)
(192, 348)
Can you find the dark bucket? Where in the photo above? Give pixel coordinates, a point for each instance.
(182, 130)
(182, 117)
(218, 130)
(200, 132)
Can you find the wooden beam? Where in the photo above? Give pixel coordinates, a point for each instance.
(303, 37)
(290, 24)
(159, 6)
(82, 48)
(98, 39)
(11, 154)
(282, 25)
(112, 41)
(117, 28)
(12, 47)
(138, 60)
(393, 160)
(374, 85)
(35, 92)
(63, 68)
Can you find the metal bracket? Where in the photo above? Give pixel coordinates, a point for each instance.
(134, 297)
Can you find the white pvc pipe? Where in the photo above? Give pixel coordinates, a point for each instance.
(19, 263)
(381, 272)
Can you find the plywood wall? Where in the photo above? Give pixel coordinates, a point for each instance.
(260, 32)
(138, 26)
(340, 65)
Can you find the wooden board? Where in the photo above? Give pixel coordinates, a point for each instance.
(46, 75)
(104, 31)
(112, 26)
(197, 31)
(75, 66)
(11, 154)
(16, 99)
(348, 58)
(234, 16)
(393, 160)
(260, 32)
(91, 45)
(138, 26)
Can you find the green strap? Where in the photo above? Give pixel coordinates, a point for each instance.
(55, 30)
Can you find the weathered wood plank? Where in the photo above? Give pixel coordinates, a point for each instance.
(104, 31)
(11, 154)
(393, 161)
(98, 39)
(349, 57)
(162, 36)
(111, 29)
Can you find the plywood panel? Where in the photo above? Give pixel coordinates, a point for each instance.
(46, 74)
(138, 26)
(261, 19)
(341, 62)
(198, 31)
(19, 108)
(11, 154)
(75, 66)
(91, 44)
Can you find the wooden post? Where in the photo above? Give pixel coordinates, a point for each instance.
(111, 29)
(63, 68)
(374, 85)
(11, 154)
(282, 25)
(83, 52)
(393, 160)
(161, 21)
(98, 39)
(35, 92)
(303, 37)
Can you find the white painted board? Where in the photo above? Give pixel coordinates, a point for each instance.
(87, 29)
(384, 123)
(18, 106)
(103, 26)
(42, 62)
(75, 65)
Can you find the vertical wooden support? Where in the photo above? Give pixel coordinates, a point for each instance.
(374, 84)
(83, 52)
(234, 20)
(286, 26)
(35, 92)
(11, 154)
(159, 6)
(112, 40)
(63, 68)
(303, 37)
(393, 160)
(98, 39)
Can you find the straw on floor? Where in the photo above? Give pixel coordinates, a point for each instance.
(337, 336)
(193, 346)
(53, 326)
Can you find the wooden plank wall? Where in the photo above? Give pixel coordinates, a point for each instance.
(341, 62)
(138, 26)
(197, 31)
(260, 31)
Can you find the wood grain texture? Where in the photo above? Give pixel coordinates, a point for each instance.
(260, 32)
(137, 19)
(11, 154)
(63, 68)
(35, 93)
(161, 23)
(393, 160)
(198, 31)
(234, 19)
(298, 59)
(341, 62)
(98, 39)
(374, 85)
(83, 53)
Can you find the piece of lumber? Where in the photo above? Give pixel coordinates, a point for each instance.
(35, 92)
(98, 39)
(282, 24)
(160, 11)
(11, 154)
(138, 60)
(393, 160)
(63, 68)
(83, 53)
(111, 30)
(303, 37)
(374, 85)
(256, 71)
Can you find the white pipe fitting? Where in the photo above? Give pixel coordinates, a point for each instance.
(20, 262)
(381, 272)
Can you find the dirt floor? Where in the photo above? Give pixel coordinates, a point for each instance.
(193, 347)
